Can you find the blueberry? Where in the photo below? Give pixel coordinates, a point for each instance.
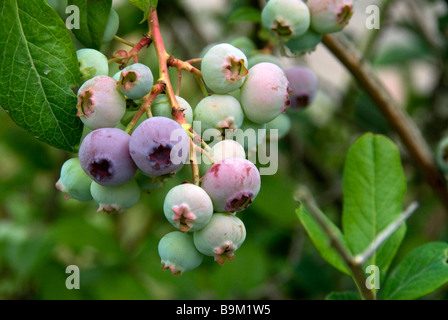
(159, 146)
(286, 18)
(161, 107)
(100, 104)
(305, 43)
(221, 237)
(113, 22)
(222, 150)
(224, 68)
(328, 16)
(135, 81)
(245, 44)
(250, 134)
(263, 57)
(282, 125)
(104, 156)
(74, 182)
(219, 112)
(92, 63)
(116, 199)
(178, 253)
(303, 84)
(232, 184)
(264, 94)
(188, 207)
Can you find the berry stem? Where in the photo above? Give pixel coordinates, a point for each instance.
(304, 196)
(194, 163)
(186, 66)
(403, 124)
(146, 106)
(163, 58)
(125, 42)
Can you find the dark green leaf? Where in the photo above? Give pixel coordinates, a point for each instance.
(347, 295)
(321, 240)
(245, 14)
(93, 21)
(373, 187)
(145, 6)
(38, 72)
(422, 271)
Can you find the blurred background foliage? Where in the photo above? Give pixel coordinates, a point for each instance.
(41, 233)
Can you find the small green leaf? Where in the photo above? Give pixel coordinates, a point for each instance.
(347, 295)
(245, 14)
(93, 21)
(422, 271)
(373, 190)
(38, 71)
(321, 240)
(145, 6)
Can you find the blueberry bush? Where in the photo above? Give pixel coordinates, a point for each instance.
(279, 149)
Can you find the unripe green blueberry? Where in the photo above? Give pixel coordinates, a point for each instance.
(113, 22)
(328, 16)
(224, 68)
(116, 199)
(100, 104)
(92, 63)
(250, 134)
(135, 81)
(286, 18)
(263, 57)
(219, 112)
(188, 207)
(245, 44)
(442, 154)
(178, 253)
(161, 107)
(304, 43)
(222, 150)
(282, 125)
(264, 95)
(149, 184)
(74, 182)
(221, 237)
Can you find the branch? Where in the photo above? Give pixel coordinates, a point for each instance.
(359, 277)
(399, 120)
(385, 234)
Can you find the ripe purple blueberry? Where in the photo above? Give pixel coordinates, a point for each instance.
(264, 94)
(221, 237)
(100, 104)
(328, 16)
(286, 18)
(188, 207)
(232, 184)
(159, 146)
(303, 84)
(178, 253)
(104, 157)
(224, 68)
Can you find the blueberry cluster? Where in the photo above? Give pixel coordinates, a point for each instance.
(248, 91)
(300, 24)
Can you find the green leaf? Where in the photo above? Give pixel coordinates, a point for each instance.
(38, 71)
(93, 21)
(245, 14)
(321, 240)
(422, 271)
(145, 6)
(347, 295)
(373, 189)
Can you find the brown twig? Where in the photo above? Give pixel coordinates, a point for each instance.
(399, 120)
